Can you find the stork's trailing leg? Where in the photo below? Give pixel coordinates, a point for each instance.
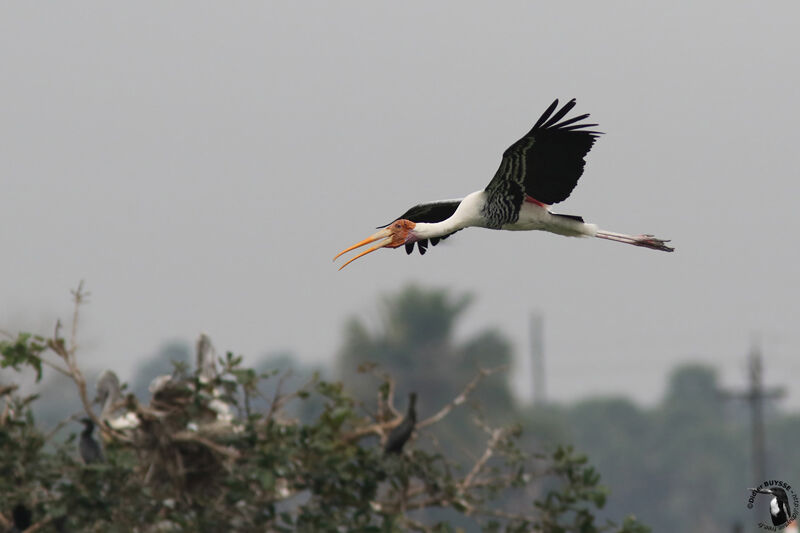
(646, 241)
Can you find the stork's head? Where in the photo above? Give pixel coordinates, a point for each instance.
(395, 234)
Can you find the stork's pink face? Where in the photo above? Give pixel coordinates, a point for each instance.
(395, 234)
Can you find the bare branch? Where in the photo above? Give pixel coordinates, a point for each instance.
(381, 428)
(276, 403)
(279, 400)
(55, 367)
(371, 429)
(469, 482)
(56, 344)
(389, 403)
(461, 398)
(76, 375)
(79, 297)
(60, 425)
(188, 436)
(497, 434)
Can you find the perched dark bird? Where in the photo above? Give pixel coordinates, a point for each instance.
(402, 432)
(22, 518)
(779, 509)
(88, 447)
(540, 169)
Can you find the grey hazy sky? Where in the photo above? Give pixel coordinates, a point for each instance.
(199, 164)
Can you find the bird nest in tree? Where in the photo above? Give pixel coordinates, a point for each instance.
(177, 447)
(183, 437)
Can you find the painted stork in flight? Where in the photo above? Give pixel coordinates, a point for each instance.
(538, 170)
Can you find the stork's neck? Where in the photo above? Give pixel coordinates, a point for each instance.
(468, 214)
(427, 230)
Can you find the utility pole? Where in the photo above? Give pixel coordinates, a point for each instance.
(537, 357)
(755, 395)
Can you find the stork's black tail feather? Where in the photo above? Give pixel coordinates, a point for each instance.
(576, 218)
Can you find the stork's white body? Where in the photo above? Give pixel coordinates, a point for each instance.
(532, 216)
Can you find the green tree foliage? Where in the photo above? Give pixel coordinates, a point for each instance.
(190, 465)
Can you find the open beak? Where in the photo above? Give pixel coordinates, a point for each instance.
(384, 236)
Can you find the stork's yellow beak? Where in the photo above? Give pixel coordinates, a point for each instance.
(387, 239)
(392, 236)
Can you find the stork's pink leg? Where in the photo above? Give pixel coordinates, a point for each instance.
(646, 241)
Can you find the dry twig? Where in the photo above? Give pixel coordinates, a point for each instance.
(388, 404)
(496, 435)
(381, 428)
(461, 398)
(279, 400)
(56, 344)
(188, 436)
(60, 425)
(276, 403)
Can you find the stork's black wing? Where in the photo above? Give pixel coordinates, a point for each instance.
(545, 164)
(428, 212)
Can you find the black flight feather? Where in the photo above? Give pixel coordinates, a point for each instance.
(545, 115)
(574, 120)
(580, 126)
(560, 114)
(545, 164)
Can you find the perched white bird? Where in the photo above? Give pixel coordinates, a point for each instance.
(206, 359)
(109, 396)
